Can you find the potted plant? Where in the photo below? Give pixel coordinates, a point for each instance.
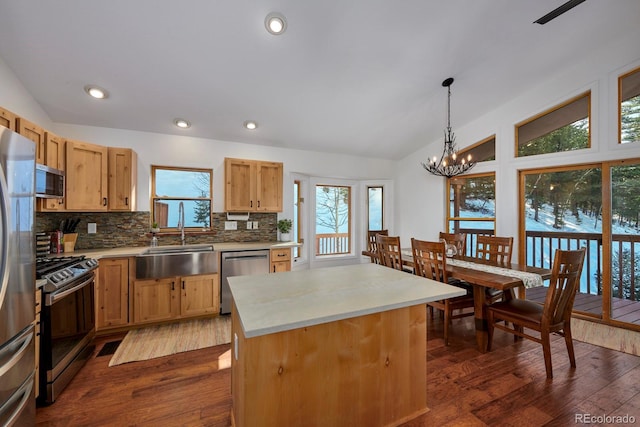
(155, 228)
(284, 227)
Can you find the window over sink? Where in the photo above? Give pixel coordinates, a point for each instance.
(193, 187)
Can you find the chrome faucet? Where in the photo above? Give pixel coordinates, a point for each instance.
(181, 222)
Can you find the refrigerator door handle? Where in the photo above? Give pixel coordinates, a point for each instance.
(24, 393)
(26, 338)
(4, 237)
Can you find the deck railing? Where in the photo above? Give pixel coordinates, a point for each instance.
(332, 244)
(541, 245)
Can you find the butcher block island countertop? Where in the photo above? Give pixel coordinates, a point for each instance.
(330, 346)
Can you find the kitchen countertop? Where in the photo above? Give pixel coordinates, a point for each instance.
(270, 303)
(137, 250)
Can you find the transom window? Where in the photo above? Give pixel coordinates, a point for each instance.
(629, 102)
(481, 151)
(191, 187)
(562, 128)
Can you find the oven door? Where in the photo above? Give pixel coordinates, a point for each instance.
(68, 328)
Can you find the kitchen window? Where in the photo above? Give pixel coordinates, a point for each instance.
(191, 187)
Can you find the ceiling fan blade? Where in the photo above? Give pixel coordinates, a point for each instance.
(558, 11)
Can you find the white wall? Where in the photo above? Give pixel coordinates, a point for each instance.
(15, 98)
(420, 199)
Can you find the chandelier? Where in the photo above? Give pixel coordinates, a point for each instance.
(449, 164)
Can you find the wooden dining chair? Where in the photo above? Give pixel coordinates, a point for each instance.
(553, 316)
(497, 250)
(459, 240)
(494, 249)
(389, 252)
(372, 244)
(429, 261)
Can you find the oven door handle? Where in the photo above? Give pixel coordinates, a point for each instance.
(52, 298)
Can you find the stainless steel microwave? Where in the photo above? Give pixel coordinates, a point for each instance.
(49, 182)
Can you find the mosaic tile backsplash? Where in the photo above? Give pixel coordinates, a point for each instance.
(120, 229)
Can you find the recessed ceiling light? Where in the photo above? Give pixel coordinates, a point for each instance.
(182, 123)
(250, 124)
(275, 23)
(96, 92)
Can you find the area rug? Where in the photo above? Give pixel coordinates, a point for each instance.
(164, 340)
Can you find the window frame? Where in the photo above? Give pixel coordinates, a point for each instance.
(351, 215)
(155, 198)
(620, 101)
(382, 208)
(449, 218)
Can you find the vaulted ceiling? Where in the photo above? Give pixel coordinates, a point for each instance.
(358, 77)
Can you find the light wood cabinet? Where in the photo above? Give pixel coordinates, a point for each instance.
(37, 340)
(7, 119)
(86, 177)
(199, 295)
(157, 300)
(112, 293)
(54, 156)
(252, 186)
(280, 260)
(122, 166)
(35, 133)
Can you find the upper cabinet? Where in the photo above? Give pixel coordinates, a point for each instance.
(86, 177)
(7, 119)
(122, 179)
(252, 186)
(54, 157)
(34, 133)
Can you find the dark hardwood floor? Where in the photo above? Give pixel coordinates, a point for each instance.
(506, 387)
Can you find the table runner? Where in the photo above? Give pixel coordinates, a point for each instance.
(530, 280)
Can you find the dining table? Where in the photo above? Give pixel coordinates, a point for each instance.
(482, 274)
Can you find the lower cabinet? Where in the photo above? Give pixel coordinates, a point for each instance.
(156, 300)
(112, 293)
(280, 260)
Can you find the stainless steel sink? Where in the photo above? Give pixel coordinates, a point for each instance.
(170, 261)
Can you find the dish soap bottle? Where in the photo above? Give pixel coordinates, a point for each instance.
(154, 240)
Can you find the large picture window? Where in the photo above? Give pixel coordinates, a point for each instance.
(565, 127)
(191, 187)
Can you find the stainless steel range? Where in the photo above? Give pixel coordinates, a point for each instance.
(67, 321)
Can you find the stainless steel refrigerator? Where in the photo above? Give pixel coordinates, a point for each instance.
(17, 279)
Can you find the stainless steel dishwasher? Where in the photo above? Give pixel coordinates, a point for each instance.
(240, 263)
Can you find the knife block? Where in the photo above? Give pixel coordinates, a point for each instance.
(70, 241)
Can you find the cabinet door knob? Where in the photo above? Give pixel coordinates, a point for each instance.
(104, 201)
(126, 201)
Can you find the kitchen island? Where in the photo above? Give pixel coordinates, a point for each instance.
(330, 346)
